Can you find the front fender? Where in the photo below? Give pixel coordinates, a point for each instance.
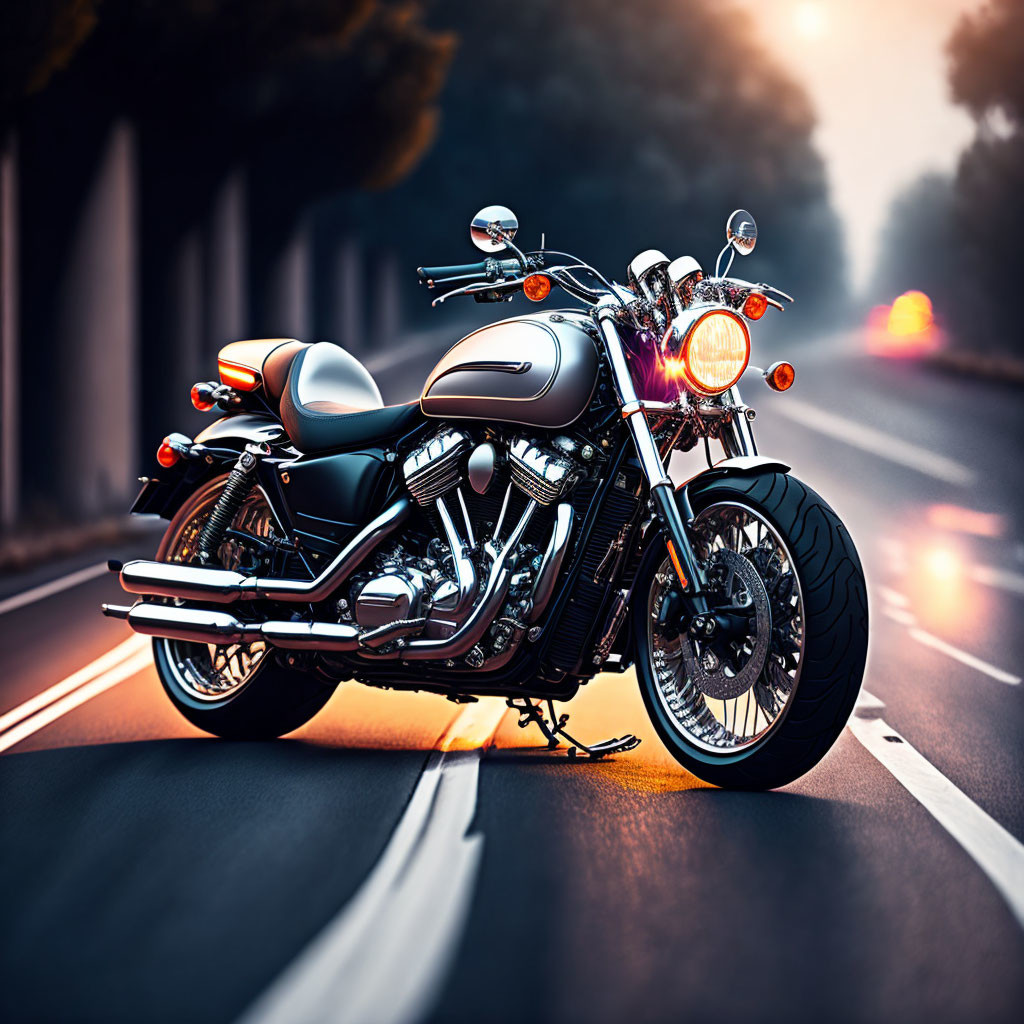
(740, 465)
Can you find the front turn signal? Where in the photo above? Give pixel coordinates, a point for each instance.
(537, 287)
(780, 376)
(755, 306)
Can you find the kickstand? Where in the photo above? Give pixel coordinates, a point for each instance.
(554, 731)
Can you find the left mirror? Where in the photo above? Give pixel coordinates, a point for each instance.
(741, 231)
(492, 228)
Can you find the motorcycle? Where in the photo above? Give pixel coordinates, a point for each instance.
(514, 532)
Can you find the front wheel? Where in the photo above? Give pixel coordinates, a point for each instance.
(754, 694)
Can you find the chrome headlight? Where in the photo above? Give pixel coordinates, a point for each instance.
(708, 349)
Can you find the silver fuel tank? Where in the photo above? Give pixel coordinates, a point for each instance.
(538, 370)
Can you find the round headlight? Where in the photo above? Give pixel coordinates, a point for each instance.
(716, 351)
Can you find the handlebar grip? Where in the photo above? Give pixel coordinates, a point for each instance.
(485, 270)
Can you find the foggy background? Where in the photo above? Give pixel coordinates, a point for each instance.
(176, 175)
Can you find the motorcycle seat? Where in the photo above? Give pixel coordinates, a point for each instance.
(331, 401)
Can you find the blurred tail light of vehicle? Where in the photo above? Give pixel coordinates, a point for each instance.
(905, 329)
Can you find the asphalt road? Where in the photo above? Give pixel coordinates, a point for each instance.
(401, 858)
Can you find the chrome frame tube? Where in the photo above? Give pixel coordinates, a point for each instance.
(223, 586)
(465, 572)
(551, 564)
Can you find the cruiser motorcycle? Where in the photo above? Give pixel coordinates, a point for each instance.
(515, 531)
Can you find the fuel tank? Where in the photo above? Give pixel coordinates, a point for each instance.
(537, 370)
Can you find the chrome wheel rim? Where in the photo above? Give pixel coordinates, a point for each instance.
(211, 672)
(733, 535)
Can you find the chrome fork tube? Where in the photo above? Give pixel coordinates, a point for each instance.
(662, 490)
(737, 436)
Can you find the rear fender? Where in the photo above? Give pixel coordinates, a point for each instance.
(221, 442)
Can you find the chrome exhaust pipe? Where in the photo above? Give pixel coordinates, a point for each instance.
(224, 586)
(206, 626)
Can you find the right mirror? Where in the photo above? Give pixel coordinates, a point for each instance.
(493, 227)
(741, 231)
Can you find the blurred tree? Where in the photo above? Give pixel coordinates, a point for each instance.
(615, 127)
(956, 239)
(38, 39)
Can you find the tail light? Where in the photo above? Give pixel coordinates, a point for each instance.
(537, 287)
(780, 376)
(241, 378)
(715, 351)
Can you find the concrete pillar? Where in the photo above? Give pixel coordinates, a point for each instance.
(226, 278)
(349, 297)
(96, 340)
(290, 307)
(191, 361)
(386, 299)
(10, 405)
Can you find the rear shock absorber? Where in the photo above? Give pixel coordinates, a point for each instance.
(236, 490)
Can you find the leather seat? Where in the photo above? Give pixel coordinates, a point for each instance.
(330, 401)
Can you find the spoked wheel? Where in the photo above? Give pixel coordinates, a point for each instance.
(753, 693)
(240, 691)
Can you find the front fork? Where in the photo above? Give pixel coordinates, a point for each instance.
(737, 438)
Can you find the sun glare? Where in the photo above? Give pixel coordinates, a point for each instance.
(809, 20)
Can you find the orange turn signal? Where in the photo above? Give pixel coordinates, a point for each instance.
(202, 397)
(242, 378)
(755, 306)
(780, 376)
(537, 287)
(166, 455)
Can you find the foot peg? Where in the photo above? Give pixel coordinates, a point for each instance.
(553, 728)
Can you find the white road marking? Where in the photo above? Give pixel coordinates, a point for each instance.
(103, 663)
(118, 674)
(1003, 578)
(53, 587)
(992, 848)
(385, 956)
(876, 442)
(923, 637)
(894, 597)
(900, 615)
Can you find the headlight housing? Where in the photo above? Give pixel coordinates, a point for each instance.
(714, 352)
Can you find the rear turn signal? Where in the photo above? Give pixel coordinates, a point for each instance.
(537, 287)
(755, 306)
(166, 455)
(780, 376)
(242, 378)
(202, 396)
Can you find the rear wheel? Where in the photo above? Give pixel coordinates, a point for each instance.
(755, 694)
(238, 691)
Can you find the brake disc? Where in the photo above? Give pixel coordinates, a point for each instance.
(724, 679)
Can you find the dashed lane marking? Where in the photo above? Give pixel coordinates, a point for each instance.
(1002, 578)
(386, 955)
(9, 604)
(972, 661)
(993, 849)
(868, 439)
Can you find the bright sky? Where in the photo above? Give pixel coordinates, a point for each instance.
(876, 71)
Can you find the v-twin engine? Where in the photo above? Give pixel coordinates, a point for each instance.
(467, 588)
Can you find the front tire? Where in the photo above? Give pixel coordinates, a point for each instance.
(241, 692)
(794, 572)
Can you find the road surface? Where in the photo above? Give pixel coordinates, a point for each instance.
(401, 858)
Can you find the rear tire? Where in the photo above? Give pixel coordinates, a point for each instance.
(274, 698)
(834, 617)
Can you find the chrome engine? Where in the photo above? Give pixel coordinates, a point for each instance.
(468, 594)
